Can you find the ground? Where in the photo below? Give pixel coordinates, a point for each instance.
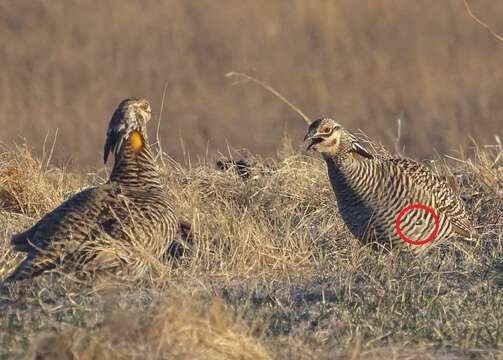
(272, 273)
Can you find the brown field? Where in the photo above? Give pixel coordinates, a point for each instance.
(66, 65)
(273, 272)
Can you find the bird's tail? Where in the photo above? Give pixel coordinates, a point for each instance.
(29, 269)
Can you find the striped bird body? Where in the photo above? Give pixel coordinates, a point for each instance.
(131, 207)
(137, 174)
(371, 192)
(370, 195)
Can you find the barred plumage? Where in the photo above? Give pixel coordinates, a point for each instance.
(131, 206)
(371, 192)
(137, 173)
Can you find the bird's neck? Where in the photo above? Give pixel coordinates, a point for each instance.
(344, 170)
(339, 161)
(134, 166)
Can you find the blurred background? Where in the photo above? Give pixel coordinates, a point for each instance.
(66, 64)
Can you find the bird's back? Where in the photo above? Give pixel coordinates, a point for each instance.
(76, 231)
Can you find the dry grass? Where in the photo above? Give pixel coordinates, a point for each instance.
(67, 64)
(273, 274)
(180, 328)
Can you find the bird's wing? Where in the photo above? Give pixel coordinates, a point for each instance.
(61, 233)
(70, 219)
(448, 200)
(115, 135)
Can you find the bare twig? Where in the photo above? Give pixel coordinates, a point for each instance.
(481, 23)
(398, 135)
(159, 123)
(52, 148)
(500, 153)
(43, 150)
(246, 77)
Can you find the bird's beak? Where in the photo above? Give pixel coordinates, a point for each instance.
(311, 139)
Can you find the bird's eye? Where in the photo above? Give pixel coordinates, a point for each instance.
(326, 130)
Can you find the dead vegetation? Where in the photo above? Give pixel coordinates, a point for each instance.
(272, 274)
(178, 328)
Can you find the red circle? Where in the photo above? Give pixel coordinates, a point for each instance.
(422, 207)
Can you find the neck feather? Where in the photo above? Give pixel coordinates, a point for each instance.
(134, 166)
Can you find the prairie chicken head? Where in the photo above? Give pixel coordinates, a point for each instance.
(329, 138)
(128, 122)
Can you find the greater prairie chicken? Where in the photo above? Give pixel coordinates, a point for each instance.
(131, 206)
(388, 200)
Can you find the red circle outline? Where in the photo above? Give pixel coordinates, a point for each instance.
(422, 207)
